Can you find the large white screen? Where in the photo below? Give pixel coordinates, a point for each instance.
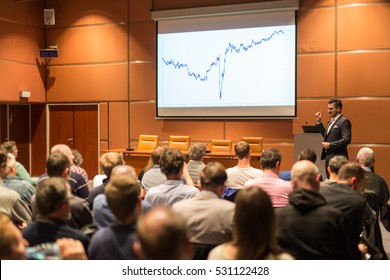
(227, 66)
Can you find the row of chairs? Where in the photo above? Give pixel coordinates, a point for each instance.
(148, 142)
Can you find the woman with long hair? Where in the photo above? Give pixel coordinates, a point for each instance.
(254, 233)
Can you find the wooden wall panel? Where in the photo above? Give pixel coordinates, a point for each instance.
(15, 77)
(287, 151)
(363, 27)
(315, 75)
(306, 113)
(21, 43)
(38, 139)
(143, 81)
(175, 4)
(316, 3)
(75, 12)
(316, 30)
(142, 121)
(103, 121)
(270, 130)
(92, 44)
(118, 125)
(143, 47)
(140, 10)
(87, 83)
(26, 12)
(364, 74)
(344, 2)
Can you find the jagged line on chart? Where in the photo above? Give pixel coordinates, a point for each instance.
(230, 48)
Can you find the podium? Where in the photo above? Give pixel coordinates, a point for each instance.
(310, 140)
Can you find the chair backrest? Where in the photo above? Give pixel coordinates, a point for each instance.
(147, 142)
(256, 143)
(220, 146)
(179, 142)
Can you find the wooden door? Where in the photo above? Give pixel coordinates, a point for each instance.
(76, 126)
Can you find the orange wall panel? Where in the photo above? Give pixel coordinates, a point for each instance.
(287, 151)
(15, 77)
(316, 3)
(119, 126)
(140, 10)
(364, 74)
(315, 75)
(103, 121)
(343, 2)
(306, 113)
(316, 30)
(26, 12)
(175, 4)
(100, 82)
(90, 44)
(363, 27)
(143, 47)
(143, 81)
(21, 43)
(75, 12)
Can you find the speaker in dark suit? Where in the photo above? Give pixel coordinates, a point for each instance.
(337, 134)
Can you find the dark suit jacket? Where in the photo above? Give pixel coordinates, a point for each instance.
(339, 136)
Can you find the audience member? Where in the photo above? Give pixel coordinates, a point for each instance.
(347, 197)
(174, 189)
(14, 182)
(102, 213)
(52, 200)
(79, 186)
(20, 170)
(376, 193)
(308, 154)
(76, 166)
(209, 218)
(243, 171)
(269, 181)
(13, 246)
(107, 162)
(154, 176)
(308, 228)
(195, 164)
(10, 201)
(254, 232)
(162, 235)
(115, 242)
(335, 163)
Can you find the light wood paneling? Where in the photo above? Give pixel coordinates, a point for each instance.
(175, 4)
(316, 3)
(87, 83)
(363, 27)
(143, 81)
(343, 2)
(143, 47)
(364, 74)
(316, 76)
(93, 44)
(119, 125)
(15, 77)
(316, 30)
(75, 12)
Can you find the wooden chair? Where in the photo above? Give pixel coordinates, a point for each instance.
(220, 146)
(256, 144)
(147, 142)
(179, 142)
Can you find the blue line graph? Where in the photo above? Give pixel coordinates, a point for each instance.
(216, 63)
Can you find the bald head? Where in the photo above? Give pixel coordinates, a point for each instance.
(124, 169)
(305, 175)
(163, 235)
(365, 157)
(65, 150)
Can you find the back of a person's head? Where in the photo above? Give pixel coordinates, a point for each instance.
(109, 160)
(78, 158)
(350, 170)
(171, 161)
(122, 194)
(3, 157)
(254, 224)
(336, 162)
(162, 235)
(308, 154)
(8, 145)
(50, 194)
(366, 157)
(305, 174)
(7, 241)
(212, 175)
(242, 149)
(123, 169)
(61, 148)
(156, 154)
(56, 164)
(197, 151)
(269, 158)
